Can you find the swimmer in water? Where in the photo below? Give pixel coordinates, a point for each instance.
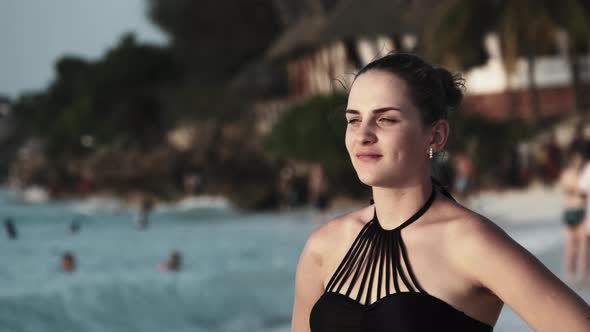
(173, 263)
(68, 262)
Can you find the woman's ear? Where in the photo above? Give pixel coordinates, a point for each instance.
(440, 134)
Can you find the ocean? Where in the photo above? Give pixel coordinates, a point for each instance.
(237, 268)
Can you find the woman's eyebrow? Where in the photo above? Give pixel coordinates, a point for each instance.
(376, 111)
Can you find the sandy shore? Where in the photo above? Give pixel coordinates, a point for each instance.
(534, 204)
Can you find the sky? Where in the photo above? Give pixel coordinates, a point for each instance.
(35, 33)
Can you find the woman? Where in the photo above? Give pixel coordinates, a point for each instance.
(584, 187)
(575, 250)
(416, 260)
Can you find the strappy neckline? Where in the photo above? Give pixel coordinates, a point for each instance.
(377, 258)
(410, 220)
(376, 273)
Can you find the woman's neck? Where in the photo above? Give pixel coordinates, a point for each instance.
(396, 205)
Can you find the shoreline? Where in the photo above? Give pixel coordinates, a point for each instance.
(536, 203)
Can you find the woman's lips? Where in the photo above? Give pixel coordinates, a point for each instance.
(368, 156)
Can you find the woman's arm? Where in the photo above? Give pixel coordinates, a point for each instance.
(308, 284)
(584, 180)
(498, 263)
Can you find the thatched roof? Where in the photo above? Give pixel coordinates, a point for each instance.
(303, 34)
(352, 19)
(366, 19)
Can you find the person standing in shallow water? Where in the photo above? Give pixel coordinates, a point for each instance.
(143, 217)
(10, 228)
(584, 186)
(75, 226)
(417, 260)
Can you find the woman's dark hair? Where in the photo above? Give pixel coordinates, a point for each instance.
(434, 90)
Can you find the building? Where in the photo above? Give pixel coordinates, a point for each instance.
(325, 42)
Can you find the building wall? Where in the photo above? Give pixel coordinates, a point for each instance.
(489, 90)
(502, 105)
(550, 72)
(488, 84)
(321, 72)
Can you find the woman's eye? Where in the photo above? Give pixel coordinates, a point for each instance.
(351, 121)
(386, 120)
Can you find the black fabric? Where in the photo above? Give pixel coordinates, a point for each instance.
(374, 289)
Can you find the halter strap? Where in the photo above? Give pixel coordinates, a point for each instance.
(380, 254)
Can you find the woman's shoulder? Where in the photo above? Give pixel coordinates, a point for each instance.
(467, 231)
(463, 226)
(569, 175)
(339, 230)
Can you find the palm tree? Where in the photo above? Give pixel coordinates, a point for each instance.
(524, 27)
(455, 36)
(574, 17)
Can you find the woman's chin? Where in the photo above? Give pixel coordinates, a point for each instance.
(373, 181)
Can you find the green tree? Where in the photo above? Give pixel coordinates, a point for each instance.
(574, 17)
(313, 132)
(216, 41)
(117, 99)
(214, 38)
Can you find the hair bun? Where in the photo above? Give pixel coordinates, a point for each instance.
(453, 86)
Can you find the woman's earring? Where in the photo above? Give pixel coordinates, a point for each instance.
(430, 152)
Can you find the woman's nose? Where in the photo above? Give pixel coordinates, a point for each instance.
(366, 134)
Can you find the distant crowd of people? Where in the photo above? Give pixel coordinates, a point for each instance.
(315, 189)
(456, 170)
(523, 163)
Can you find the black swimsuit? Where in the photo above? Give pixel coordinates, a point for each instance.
(379, 261)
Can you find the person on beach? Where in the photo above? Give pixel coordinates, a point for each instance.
(584, 186)
(578, 140)
(463, 176)
(284, 189)
(318, 192)
(551, 159)
(416, 260)
(576, 246)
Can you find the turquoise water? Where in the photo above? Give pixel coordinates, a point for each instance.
(237, 273)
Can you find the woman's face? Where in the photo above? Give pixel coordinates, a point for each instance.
(385, 137)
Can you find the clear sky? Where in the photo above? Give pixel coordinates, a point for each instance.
(35, 33)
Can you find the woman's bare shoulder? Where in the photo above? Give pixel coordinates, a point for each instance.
(470, 232)
(491, 259)
(337, 231)
(465, 227)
